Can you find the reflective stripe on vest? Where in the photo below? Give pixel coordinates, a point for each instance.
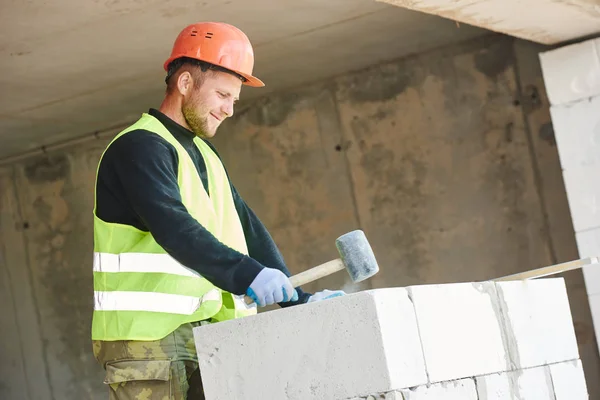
(163, 301)
(140, 262)
(140, 291)
(152, 302)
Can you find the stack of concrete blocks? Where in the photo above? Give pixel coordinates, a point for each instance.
(572, 79)
(465, 341)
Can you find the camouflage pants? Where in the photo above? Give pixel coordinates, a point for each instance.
(165, 369)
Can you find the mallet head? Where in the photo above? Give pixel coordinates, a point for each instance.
(357, 255)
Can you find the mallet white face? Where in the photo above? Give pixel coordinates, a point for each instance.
(357, 255)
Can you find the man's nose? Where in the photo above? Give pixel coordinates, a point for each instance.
(227, 108)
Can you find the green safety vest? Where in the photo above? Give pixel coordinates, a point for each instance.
(140, 291)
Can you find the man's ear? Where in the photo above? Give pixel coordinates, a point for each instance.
(185, 83)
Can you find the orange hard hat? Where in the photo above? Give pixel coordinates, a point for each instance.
(217, 43)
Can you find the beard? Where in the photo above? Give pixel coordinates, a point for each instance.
(196, 116)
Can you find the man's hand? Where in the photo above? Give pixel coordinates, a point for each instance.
(326, 294)
(271, 286)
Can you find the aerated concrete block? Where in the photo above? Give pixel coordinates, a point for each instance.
(577, 132)
(569, 381)
(460, 331)
(583, 194)
(572, 72)
(594, 300)
(538, 324)
(463, 389)
(345, 347)
(527, 384)
(588, 244)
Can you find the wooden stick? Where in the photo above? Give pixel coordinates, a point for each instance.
(550, 270)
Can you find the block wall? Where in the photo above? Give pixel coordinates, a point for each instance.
(479, 341)
(572, 78)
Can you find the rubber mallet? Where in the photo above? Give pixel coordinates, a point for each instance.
(356, 256)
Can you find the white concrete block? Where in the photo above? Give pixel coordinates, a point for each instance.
(569, 381)
(460, 333)
(572, 72)
(349, 346)
(539, 326)
(588, 244)
(527, 384)
(577, 132)
(594, 301)
(463, 389)
(583, 193)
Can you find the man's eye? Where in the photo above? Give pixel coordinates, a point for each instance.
(222, 95)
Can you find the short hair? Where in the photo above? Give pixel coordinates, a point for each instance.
(176, 64)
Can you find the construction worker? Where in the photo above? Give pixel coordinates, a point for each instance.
(175, 246)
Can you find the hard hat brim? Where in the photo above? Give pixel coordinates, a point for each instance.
(251, 80)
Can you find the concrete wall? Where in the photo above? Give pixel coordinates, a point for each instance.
(447, 160)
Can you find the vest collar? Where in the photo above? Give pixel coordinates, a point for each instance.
(180, 132)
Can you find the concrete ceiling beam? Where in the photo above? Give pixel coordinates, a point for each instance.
(543, 21)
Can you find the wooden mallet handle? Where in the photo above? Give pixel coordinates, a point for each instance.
(312, 274)
(317, 272)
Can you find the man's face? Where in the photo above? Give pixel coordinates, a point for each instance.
(208, 105)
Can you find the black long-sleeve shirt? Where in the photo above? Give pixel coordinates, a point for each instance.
(137, 186)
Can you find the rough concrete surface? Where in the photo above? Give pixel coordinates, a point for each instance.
(27, 339)
(71, 68)
(541, 21)
(463, 179)
(52, 223)
(452, 175)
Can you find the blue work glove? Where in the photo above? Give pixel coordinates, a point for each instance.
(271, 286)
(325, 294)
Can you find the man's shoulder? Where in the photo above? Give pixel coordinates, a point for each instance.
(138, 146)
(140, 140)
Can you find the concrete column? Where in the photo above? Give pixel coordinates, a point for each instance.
(463, 341)
(572, 78)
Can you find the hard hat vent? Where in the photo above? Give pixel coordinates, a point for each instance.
(194, 32)
(209, 35)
